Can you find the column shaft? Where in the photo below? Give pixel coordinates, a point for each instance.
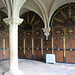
(13, 36)
(13, 44)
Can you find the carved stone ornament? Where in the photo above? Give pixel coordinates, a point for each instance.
(13, 21)
(46, 32)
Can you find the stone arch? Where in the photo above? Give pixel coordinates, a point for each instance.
(30, 30)
(62, 14)
(32, 16)
(63, 28)
(34, 12)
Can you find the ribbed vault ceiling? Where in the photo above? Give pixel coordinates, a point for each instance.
(44, 8)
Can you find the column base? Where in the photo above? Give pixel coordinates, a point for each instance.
(18, 72)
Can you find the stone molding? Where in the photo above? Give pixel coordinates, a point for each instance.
(13, 21)
(46, 32)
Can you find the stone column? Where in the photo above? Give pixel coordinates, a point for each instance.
(13, 44)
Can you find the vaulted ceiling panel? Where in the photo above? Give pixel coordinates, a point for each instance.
(31, 5)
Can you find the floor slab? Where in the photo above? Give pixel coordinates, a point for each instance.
(32, 67)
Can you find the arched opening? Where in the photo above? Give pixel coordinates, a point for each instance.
(31, 36)
(63, 33)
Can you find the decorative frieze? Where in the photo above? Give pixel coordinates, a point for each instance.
(13, 21)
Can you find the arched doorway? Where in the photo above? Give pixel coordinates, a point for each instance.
(63, 33)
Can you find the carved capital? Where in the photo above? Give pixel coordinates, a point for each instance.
(46, 32)
(13, 21)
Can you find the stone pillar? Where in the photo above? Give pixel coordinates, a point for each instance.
(46, 32)
(13, 44)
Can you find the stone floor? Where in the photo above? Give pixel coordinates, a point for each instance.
(32, 67)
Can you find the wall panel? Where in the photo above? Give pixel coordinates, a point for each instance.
(70, 43)
(1, 48)
(37, 54)
(7, 54)
(28, 54)
(70, 56)
(28, 48)
(1, 54)
(58, 49)
(46, 52)
(59, 55)
(6, 48)
(20, 53)
(58, 42)
(20, 47)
